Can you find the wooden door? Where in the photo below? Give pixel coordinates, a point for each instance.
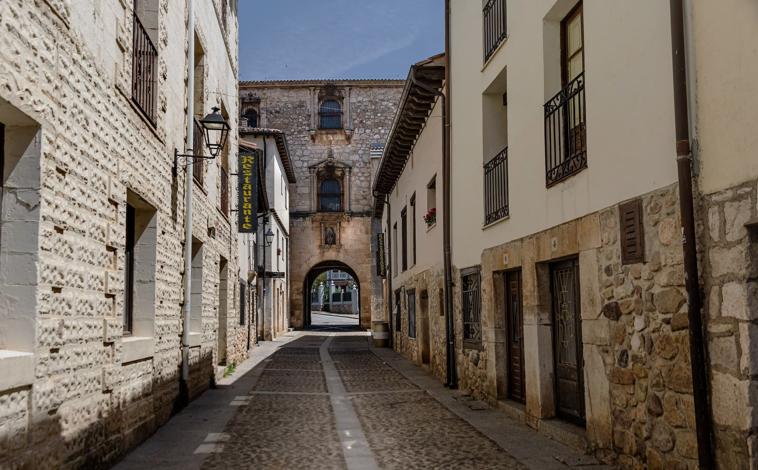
(567, 341)
(515, 334)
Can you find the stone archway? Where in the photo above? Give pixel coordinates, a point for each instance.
(313, 273)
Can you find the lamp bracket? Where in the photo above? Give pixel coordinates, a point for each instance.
(188, 156)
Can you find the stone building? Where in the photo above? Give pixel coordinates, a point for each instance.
(569, 292)
(93, 105)
(272, 258)
(331, 127)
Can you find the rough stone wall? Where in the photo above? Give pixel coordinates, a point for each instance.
(637, 379)
(292, 108)
(429, 281)
(86, 405)
(730, 273)
(648, 357)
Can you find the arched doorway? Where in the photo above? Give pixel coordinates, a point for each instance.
(331, 297)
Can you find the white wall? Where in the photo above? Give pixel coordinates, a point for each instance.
(630, 121)
(424, 163)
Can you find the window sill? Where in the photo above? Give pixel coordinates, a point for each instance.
(16, 369)
(498, 221)
(495, 52)
(195, 339)
(137, 348)
(430, 227)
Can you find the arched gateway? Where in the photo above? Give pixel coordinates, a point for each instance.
(332, 288)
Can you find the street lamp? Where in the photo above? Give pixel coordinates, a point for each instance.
(215, 133)
(269, 237)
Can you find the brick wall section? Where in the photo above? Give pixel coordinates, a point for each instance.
(86, 407)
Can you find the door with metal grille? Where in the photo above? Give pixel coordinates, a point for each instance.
(567, 341)
(515, 332)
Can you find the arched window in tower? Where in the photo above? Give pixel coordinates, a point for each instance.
(330, 114)
(330, 196)
(251, 116)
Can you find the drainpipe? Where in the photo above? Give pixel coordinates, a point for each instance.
(447, 106)
(698, 353)
(183, 383)
(263, 274)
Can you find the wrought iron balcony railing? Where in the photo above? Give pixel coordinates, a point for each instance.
(495, 26)
(144, 58)
(566, 132)
(496, 188)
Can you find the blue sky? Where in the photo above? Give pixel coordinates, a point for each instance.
(300, 39)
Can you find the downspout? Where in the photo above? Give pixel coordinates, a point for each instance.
(698, 354)
(263, 273)
(184, 381)
(447, 106)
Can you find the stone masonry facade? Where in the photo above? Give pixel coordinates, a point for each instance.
(78, 151)
(637, 378)
(729, 236)
(367, 110)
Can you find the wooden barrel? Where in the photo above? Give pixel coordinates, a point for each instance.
(380, 333)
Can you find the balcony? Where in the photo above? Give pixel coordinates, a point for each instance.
(566, 133)
(144, 57)
(496, 188)
(495, 26)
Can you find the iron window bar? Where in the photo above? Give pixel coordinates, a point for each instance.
(495, 26)
(496, 188)
(472, 306)
(144, 55)
(566, 132)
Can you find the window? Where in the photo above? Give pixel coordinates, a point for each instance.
(129, 271)
(398, 313)
(196, 288)
(395, 250)
(141, 227)
(198, 94)
(251, 118)
(565, 123)
(404, 230)
(223, 305)
(330, 196)
(411, 313)
(413, 226)
(495, 146)
(330, 114)
(243, 302)
(472, 304)
(495, 30)
(278, 249)
(145, 56)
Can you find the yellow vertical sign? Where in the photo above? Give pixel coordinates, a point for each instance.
(247, 193)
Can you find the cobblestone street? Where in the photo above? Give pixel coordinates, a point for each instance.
(330, 401)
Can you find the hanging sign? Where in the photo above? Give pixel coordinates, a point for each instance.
(381, 266)
(247, 192)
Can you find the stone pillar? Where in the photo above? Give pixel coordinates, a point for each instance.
(331, 292)
(320, 296)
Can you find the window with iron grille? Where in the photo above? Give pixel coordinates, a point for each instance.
(330, 114)
(495, 26)
(243, 302)
(496, 188)
(565, 113)
(471, 305)
(413, 227)
(129, 270)
(404, 234)
(198, 164)
(144, 60)
(398, 313)
(224, 191)
(411, 313)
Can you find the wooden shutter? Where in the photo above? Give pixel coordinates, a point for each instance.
(632, 232)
